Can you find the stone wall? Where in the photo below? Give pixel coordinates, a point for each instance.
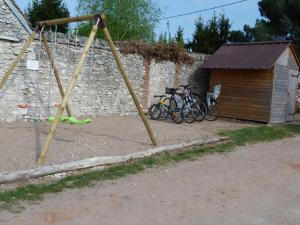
(100, 90)
(10, 27)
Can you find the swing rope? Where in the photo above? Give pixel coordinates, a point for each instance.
(72, 119)
(37, 109)
(90, 78)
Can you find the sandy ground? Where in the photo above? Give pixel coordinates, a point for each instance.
(255, 185)
(21, 142)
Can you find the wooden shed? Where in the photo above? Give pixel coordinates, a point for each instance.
(259, 80)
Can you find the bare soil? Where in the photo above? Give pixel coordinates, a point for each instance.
(255, 185)
(21, 142)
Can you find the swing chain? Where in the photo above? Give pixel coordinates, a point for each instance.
(37, 110)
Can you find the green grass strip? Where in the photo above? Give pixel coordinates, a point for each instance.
(238, 138)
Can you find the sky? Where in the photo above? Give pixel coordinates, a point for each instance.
(239, 14)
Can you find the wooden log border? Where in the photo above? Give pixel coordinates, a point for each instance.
(100, 162)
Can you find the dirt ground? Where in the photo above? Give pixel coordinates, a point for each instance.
(255, 185)
(21, 142)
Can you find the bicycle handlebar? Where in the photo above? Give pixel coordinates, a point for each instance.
(188, 86)
(185, 86)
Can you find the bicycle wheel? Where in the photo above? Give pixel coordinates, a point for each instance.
(200, 110)
(203, 108)
(196, 97)
(172, 103)
(155, 111)
(174, 110)
(213, 113)
(189, 114)
(176, 115)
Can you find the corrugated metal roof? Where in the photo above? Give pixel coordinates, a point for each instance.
(256, 55)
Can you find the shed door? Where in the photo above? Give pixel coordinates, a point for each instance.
(292, 92)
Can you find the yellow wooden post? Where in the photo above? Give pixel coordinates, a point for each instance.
(67, 94)
(56, 74)
(125, 77)
(17, 60)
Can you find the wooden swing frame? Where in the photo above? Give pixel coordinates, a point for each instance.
(100, 18)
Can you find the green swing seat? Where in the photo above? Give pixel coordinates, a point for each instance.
(71, 120)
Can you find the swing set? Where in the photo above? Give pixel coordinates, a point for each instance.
(69, 118)
(100, 21)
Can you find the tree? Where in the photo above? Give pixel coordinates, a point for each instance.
(280, 21)
(170, 38)
(213, 35)
(237, 36)
(179, 37)
(209, 36)
(163, 38)
(224, 28)
(258, 33)
(199, 41)
(126, 19)
(282, 18)
(250, 34)
(47, 10)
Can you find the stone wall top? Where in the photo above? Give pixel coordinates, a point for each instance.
(73, 39)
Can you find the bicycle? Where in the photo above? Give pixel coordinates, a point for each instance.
(165, 108)
(192, 110)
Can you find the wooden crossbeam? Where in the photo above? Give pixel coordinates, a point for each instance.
(66, 20)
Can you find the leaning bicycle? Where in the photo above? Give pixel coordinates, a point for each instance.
(193, 110)
(165, 108)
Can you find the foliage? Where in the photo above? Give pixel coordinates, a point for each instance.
(10, 198)
(282, 18)
(126, 19)
(237, 36)
(258, 33)
(41, 10)
(163, 38)
(208, 37)
(224, 26)
(252, 135)
(179, 37)
(166, 37)
(280, 21)
(159, 51)
(250, 34)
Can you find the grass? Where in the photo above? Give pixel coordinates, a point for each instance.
(8, 198)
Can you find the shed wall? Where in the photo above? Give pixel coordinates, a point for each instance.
(245, 94)
(280, 94)
(282, 101)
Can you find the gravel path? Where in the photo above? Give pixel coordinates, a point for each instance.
(22, 141)
(255, 185)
